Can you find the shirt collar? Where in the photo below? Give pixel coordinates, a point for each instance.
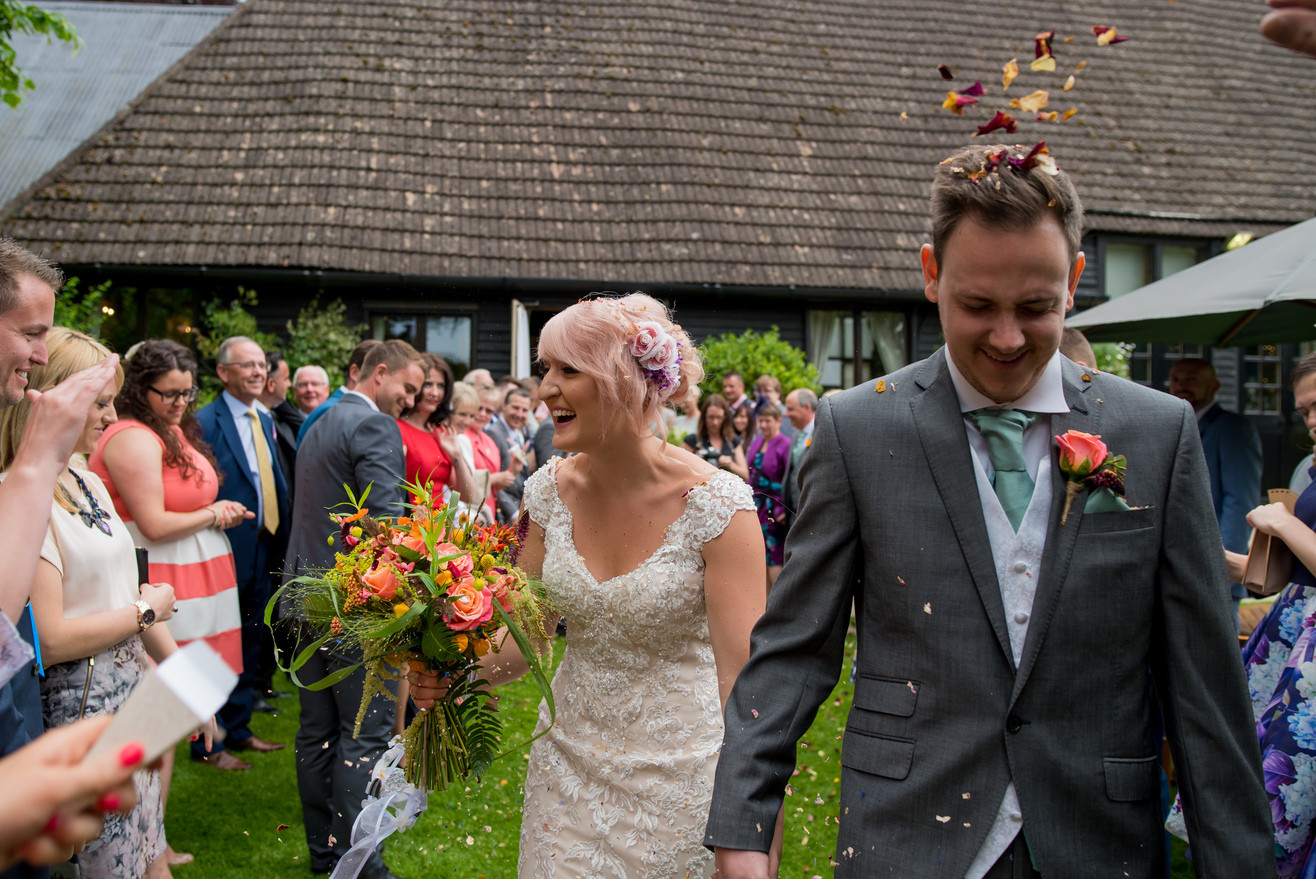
(239, 408)
(1047, 395)
(371, 402)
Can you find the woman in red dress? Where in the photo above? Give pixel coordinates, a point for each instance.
(433, 454)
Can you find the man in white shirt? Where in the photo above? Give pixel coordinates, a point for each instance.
(1001, 723)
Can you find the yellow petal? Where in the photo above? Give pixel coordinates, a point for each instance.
(1081, 65)
(1069, 84)
(1031, 103)
(400, 609)
(1070, 112)
(1009, 71)
(1046, 62)
(1106, 37)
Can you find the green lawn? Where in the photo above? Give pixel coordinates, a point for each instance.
(249, 824)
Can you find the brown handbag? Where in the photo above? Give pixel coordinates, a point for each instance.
(1269, 561)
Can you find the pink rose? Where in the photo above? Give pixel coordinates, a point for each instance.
(661, 355)
(647, 336)
(1080, 453)
(471, 607)
(382, 581)
(461, 566)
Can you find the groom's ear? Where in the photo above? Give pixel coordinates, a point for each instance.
(929, 259)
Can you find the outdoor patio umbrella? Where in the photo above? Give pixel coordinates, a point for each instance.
(1263, 292)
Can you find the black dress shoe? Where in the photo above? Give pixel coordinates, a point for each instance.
(258, 703)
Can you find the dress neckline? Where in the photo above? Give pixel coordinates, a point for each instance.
(570, 525)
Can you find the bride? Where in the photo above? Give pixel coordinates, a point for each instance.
(655, 559)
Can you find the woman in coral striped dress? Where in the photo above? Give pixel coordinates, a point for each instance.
(161, 477)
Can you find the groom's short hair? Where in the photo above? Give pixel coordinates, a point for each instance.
(997, 186)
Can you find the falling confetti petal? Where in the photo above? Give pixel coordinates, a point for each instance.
(1042, 44)
(1048, 117)
(1000, 120)
(281, 828)
(943, 818)
(1031, 103)
(945, 72)
(912, 689)
(754, 711)
(1106, 35)
(1069, 83)
(1070, 112)
(880, 386)
(1009, 72)
(927, 608)
(957, 102)
(974, 91)
(1046, 62)
(1081, 65)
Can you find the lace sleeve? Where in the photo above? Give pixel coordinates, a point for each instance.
(715, 502)
(540, 489)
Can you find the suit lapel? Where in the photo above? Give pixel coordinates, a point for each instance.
(1083, 415)
(940, 428)
(229, 428)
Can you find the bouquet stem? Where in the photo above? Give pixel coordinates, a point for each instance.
(436, 748)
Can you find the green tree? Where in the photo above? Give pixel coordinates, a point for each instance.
(24, 18)
(1113, 357)
(323, 337)
(82, 310)
(754, 354)
(220, 321)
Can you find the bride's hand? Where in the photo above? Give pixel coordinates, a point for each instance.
(427, 687)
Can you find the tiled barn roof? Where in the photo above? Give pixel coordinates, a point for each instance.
(758, 142)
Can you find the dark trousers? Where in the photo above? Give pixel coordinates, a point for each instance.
(253, 595)
(1015, 863)
(333, 768)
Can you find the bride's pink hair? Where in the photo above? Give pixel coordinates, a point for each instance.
(594, 337)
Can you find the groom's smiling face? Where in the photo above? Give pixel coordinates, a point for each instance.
(1002, 295)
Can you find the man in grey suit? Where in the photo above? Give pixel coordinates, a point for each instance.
(1001, 723)
(356, 443)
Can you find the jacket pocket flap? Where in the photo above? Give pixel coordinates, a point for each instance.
(886, 695)
(1132, 778)
(877, 755)
(1125, 520)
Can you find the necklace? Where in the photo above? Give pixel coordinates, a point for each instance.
(95, 517)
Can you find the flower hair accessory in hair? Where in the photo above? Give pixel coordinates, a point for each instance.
(659, 355)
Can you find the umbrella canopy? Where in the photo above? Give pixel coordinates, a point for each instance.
(1264, 292)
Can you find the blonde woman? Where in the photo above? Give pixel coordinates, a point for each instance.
(95, 625)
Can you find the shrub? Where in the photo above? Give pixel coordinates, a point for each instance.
(754, 354)
(322, 337)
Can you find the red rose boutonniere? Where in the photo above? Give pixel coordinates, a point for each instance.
(1085, 460)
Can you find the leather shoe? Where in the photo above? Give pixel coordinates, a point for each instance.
(222, 760)
(259, 703)
(255, 743)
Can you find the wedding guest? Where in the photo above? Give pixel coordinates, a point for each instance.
(433, 453)
(96, 626)
(161, 477)
(769, 457)
(27, 303)
(310, 385)
(485, 449)
(287, 417)
(465, 408)
(1280, 659)
(801, 404)
(1075, 346)
(1001, 721)
(507, 427)
(350, 376)
(713, 439)
(653, 557)
(742, 425)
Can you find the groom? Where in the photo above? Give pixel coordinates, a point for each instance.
(1001, 723)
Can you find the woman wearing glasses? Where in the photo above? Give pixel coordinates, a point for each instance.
(161, 477)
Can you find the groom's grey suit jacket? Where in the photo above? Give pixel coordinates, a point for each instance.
(942, 720)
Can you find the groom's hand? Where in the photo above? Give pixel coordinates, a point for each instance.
(733, 863)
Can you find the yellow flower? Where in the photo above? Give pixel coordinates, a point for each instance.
(486, 562)
(461, 642)
(443, 578)
(481, 647)
(400, 609)
(356, 531)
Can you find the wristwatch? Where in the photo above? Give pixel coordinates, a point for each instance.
(145, 615)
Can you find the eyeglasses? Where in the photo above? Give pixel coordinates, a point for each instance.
(169, 398)
(246, 365)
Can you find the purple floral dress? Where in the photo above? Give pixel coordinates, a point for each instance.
(767, 468)
(1280, 659)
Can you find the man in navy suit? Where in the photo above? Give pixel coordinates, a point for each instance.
(1233, 454)
(228, 424)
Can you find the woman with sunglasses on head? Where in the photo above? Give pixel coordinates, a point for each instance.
(161, 477)
(95, 623)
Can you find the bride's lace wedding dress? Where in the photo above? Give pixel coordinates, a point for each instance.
(620, 786)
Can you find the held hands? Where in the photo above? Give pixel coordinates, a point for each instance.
(427, 687)
(55, 803)
(161, 598)
(740, 864)
(229, 513)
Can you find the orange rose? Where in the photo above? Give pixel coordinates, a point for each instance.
(471, 607)
(382, 581)
(1080, 453)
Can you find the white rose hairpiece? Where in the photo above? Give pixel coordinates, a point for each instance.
(659, 355)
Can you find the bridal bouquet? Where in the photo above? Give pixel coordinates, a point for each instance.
(432, 589)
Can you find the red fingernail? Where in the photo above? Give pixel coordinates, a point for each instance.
(193, 737)
(131, 754)
(53, 824)
(108, 803)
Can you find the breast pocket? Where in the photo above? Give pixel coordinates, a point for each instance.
(1123, 521)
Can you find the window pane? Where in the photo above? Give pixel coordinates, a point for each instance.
(1176, 259)
(450, 337)
(1128, 267)
(385, 328)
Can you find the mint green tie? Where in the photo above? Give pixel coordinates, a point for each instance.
(1004, 431)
